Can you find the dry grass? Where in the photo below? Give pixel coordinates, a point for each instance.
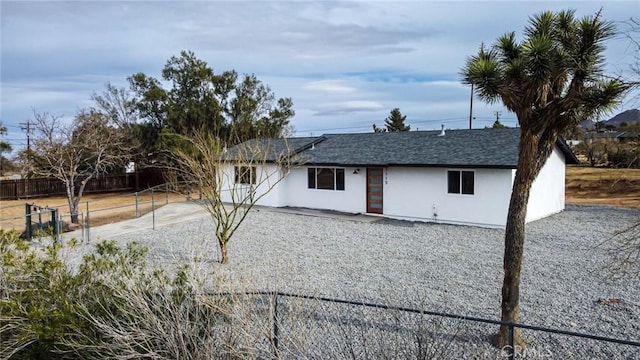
(104, 208)
(603, 186)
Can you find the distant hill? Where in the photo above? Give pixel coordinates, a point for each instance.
(629, 116)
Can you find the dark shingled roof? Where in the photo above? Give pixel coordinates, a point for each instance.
(276, 148)
(477, 148)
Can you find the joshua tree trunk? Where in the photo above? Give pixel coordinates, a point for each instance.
(514, 240)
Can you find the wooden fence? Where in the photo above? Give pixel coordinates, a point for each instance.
(42, 187)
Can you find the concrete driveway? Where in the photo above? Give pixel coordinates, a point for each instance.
(175, 213)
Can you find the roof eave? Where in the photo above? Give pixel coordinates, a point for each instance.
(569, 157)
(417, 165)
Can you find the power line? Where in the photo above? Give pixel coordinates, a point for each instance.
(413, 122)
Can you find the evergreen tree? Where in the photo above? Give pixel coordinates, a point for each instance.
(233, 107)
(395, 121)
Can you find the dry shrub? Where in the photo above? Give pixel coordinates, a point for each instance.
(623, 251)
(115, 305)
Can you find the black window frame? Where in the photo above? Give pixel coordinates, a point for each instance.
(461, 182)
(311, 178)
(317, 178)
(245, 175)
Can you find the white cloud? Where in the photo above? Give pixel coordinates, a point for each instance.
(347, 107)
(350, 62)
(329, 86)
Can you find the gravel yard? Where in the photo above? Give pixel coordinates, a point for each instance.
(436, 267)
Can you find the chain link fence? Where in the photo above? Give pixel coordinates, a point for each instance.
(33, 218)
(291, 326)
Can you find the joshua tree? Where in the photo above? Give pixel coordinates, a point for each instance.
(551, 79)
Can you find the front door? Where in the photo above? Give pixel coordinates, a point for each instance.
(374, 190)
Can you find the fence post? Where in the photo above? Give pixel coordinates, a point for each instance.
(88, 224)
(28, 229)
(137, 213)
(274, 339)
(84, 226)
(153, 212)
(39, 218)
(512, 350)
(55, 224)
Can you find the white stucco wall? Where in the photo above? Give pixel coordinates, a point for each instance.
(411, 194)
(294, 192)
(418, 193)
(267, 177)
(547, 192)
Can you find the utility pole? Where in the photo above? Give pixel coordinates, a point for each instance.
(498, 113)
(471, 107)
(27, 126)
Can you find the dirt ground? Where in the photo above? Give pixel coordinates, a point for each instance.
(603, 186)
(103, 208)
(584, 185)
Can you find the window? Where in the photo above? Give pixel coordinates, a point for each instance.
(460, 182)
(245, 175)
(325, 178)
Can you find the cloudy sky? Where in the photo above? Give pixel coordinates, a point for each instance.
(345, 64)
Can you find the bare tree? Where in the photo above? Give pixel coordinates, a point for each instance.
(117, 104)
(77, 152)
(231, 182)
(623, 249)
(631, 32)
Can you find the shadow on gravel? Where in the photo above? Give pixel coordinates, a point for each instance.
(396, 222)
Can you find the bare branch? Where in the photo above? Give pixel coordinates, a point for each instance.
(117, 104)
(623, 249)
(232, 182)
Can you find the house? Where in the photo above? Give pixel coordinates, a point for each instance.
(457, 176)
(617, 136)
